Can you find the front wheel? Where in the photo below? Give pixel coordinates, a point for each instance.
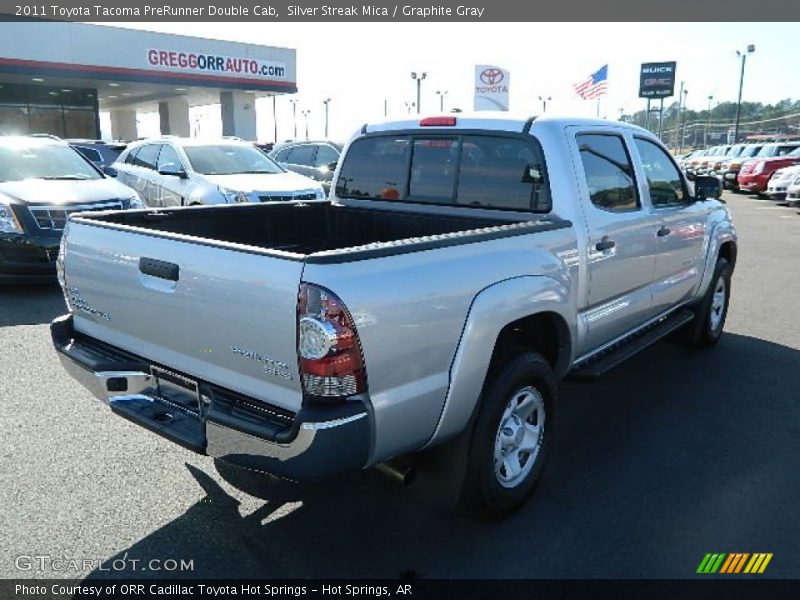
(512, 434)
(711, 312)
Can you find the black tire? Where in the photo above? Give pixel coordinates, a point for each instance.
(706, 328)
(515, 376)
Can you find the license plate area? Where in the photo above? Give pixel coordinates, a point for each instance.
(176, 390)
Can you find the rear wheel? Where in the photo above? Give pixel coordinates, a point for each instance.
(512, 435)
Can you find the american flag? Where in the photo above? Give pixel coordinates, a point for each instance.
(595, 86)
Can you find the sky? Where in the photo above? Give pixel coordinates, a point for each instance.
(359, 65)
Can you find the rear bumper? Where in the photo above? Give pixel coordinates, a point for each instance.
(314, 444)
(25, 258)
(753, 183)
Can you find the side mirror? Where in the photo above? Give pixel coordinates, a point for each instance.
(110, 171)
(706, 187)
(172, 171)
(332, 166)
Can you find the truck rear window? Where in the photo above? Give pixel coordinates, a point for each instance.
(490, 171)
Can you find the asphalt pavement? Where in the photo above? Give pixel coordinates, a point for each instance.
(673, 455)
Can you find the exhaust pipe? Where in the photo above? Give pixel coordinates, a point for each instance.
(403, 475)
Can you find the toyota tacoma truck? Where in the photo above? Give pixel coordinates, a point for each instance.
(462, 266)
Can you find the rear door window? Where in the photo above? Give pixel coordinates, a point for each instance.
(608, 170)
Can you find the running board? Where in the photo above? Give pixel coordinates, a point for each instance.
(592, 368)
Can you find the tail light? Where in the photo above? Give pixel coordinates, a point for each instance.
(328, 348)
(438, 122)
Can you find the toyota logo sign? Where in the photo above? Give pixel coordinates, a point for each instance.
(491, 87)
(492, 76)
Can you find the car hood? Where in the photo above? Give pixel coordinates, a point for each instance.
(773, 159)
(63, 192)
(787, 172)
(264, 182)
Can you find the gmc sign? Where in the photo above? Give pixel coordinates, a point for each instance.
(657, 80)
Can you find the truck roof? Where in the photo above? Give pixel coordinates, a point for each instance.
(493, 120)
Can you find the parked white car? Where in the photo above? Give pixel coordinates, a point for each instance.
(793, 191)
(780, 181)
(173, 171)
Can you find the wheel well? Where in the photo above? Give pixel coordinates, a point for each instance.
(728, 252)
(544, 333)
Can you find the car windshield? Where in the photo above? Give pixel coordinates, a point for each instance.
(229, 159)
(751, 151)
(795, 152)
(29, 159)
(768, 150)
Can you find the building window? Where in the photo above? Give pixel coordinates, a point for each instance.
(67, 113)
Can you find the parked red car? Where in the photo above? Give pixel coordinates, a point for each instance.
(755, 173)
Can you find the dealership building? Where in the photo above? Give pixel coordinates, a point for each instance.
(56, 78)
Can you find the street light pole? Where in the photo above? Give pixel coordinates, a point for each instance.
(708, 123)
(418, 78)
(683, 129)
(678, 117)
(441, 94)
(294, 116)
(305, 114)
(326, 102)
(545, 100)
(275, 117)
(750, 49)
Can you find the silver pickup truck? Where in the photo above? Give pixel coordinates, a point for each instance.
(461, 267)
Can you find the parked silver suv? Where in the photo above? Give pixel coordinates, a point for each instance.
(181, 172)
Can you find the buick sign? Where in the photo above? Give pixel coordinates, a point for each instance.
(657, 80)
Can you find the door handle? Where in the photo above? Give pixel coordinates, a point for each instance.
(159, 268)
(604, 244)
(664, 231)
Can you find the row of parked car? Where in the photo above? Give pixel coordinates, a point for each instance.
(770, 169)
(44, 179)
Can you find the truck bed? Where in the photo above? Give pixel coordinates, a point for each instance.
(319, 231)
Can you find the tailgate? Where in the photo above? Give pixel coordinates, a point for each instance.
(223, 316)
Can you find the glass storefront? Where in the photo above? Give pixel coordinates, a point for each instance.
(65, 112)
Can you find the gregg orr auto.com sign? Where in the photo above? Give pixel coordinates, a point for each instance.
(216, 64)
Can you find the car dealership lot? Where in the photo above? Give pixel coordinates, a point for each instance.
(673, 455)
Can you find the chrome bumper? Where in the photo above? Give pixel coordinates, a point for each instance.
(314, 444)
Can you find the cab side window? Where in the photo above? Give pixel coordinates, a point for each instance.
(663, 178)
(609, 172)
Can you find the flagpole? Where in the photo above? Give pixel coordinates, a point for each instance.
(598, 107)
